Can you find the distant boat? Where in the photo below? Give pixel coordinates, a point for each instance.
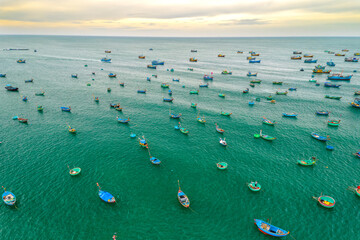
(223, 142)
(155, 161)
(168, 99)
(254, 186)
(324, 113)
(8, 197)
(22, 120)
(325, 201)
(141, 91)
(157, 62)
(226, 72)
(268, 122)
(222, 165)
(308, 55)
(249, 74)
(356, 103)
(141, 57)
(194, 92)
(290, 115)
(333, 97)
(2, 75)
(183, 199)
(112, 75)
(334, 123)
(106, 60)
(269, 229)
(330, 63)
(151, 66)
(221, 55)
(122, 120)
(193, 59)
(320, 138)
(310, 61)
(105, 196)
(204, 85)
(74, 75)
(339, 54)
(29, 81)
(254, 61)
(296, 58)
(218, 129)
(193, 50)
(308, 162)
(297, 52)
(328, 84)
(351, 59)
(208, 77)
(21, 61)
(143, 143)
(12, 89)
(107, 51)
(266, 137)
(66, 109)
(74, 171)
(339, 77)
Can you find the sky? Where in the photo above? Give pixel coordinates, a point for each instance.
(181, 18)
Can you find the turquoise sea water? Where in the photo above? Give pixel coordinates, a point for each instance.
(53, 205)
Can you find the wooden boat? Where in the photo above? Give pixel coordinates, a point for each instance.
(29, 81)
(332, 97)
(12, 89)
(254, 186)
(246, 90)
(107, 51)
(8, 197)
(277, 83)
(40, 108)
(345, 50)
(122, 84)
(183, 199)
(114, 105)
(204, 85)
(106, 60)
(141, 91)
(297, 52)
(330, 64)
(74, 171)
(240, 52)
(281, 93)
(254, 54)
(351, 59)
(194, 92)
(268, 122)
(222, 165)
(119, 109)
(328, 84)
(151, 66)
(193, 60)
(290, 115)
(208, 77)
(320, 138)
(221, 55)
(250, 74)
(22, 120)
(254, 61)
(321, 71)
(223, 142)
(105, 196)
(157, 62)
(165, 85)
(190, 69)
(357, 54)
(226, 72)
(339, 54)
(357, 93)
(170, 92)
(96, 99)
(21, 61)
(175, 116)
(154, 160)
(266, 137)
(141, 57)
(183, 130)
(74, 75)
(310, 60)
(334, 123)
(168, 99)
(356, 103)
(66, 109)
(324, 113)
(339, 77)
(255, 81)
(193, 105)
(308, 55)
(309, 162)
(112, 75)
(71, 130)
(357, 154)
(269, 229)
(296, 58)
(325, 201)
(143, 143)
(122, 120)
(2, 75)
(250, 58)
(218, 129)
(228, 114)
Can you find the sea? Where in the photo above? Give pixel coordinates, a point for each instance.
(52, 204)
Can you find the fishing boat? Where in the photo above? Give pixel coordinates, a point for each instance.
(107, 51)
(218, 129)
(194, 92)
(254, 61)
(74, 171)
(193, 59)
(334, 123)
(141, 57)
(250, 58)
(226, 72)
(356, 103)
(21, 61)
(357, 154)
(141, 91)
(294, 115)
(105, 196)
(281, 93)
(74, 75)
(357, 54)
(170, 92)
(324, 113)
(193, 50)
(8, 197)
(2, 75)
(345, 50)
(320, 67)
(351, 59)
(339, 77)
(228, 114)
(22, 120)
(329, 84)
(308, 55)
(157, 62)
(29, 81)
(222, 165)
(122, 120)
(174, 115)
(268, 122)
(321, 71)
(168, 99)
(223, 142)
(331, 52)
(325, 201)
(71, 130)
(154, 160)
(251, 103)
(96, 99)
(204, 85)
(269, 229)
(239, 52)
(132, 135)
(254, 186)
(66, 109)
(40, 108)
(208, 77)
(292, 89)
(106, 59)
(296, 58)
(165, 85)
(122, 84)
(269, 97)
(143, 143)
(151, 66)
(183, 199)
(112, 75)
(266, 137)
(250, 74)
(255, 81)
(190, 69)
(176, 79)
(246, 90)
(25, 98)
(333, 97)
(320, 138)
(308, 162)
(221, 55)
(277, 83)
(330, 63)
(114, 105)
(193, 105)
(357, 93)
(297, 52)
(119, 109)
(252, 85)
(11, 88)
(310, 60)
(339, 54)
(183, 130)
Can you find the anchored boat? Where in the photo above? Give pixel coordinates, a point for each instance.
(183, 199)
(8, 197)
(254, 186)
(325, 201)
(309, 162)
(269, 229)
(320, 138)
(105, 196)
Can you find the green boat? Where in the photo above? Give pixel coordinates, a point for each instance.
(325, 201)
(268, 122)
(312, 80)
(358, 191)
(40, 108)
(308, 162)
(334, 123)
(75, 171)
(281, 93)
(266, 137)
(194, 92)
(164, 85)
(222, 165)
(269, 98)
(40, 93)
(255, 81)
(226, 114)
(277, 83)
(184, 130)
(193, 105)
(221, 95)
(254, 186)
(333, 97)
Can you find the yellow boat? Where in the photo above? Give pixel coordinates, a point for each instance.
(250, 58)
(308, 56)
(193, 60)
(321, 71)
(357, 54)
(339, 54)
(142, 57)
(255, 54)
(296, 58)
(221, 55)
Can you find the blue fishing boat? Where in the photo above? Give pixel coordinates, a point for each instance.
(148, 79)
(254, 61)
(250, 74)
(105, 196)
(310, 60)
(112, 75)
(155, 161)
(175, 116)
(2, 75)
(356, 103)
(141, 91)
(8, 197)
(29, 80)
(320, 138)
(21, 61)
(290, 115)
(339, 77)
(132, 135)
(208, 77)
(292, 89)
(170, 92)
(66, 109)
(246, 90)
(25, 98)
(157, 62)
(151, 66)
(204, 85)
(330, 63)
(122, 120)
(324, 113)
(11, 88)
(168, 99)
(329, 84)
(319, 67)
(74, 75)
(106, 59)
(176, 79)
(269, 229)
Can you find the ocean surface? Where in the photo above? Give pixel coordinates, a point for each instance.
(51, 204)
